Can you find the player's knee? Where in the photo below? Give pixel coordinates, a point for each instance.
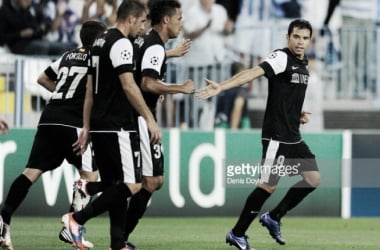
(89, 176)
(270, 189)
(314, 179)
(32, 174)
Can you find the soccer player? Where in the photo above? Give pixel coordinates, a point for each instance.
(112, 98)
(287, 73)
(166, 21)
(58, 128)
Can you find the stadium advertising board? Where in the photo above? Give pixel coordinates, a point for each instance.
(365, 193)
(206, 174)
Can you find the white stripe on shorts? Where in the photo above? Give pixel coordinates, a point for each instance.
(145, 148)
(270, 157)
(86, 157)
(127, 157)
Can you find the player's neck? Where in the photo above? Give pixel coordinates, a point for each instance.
(162, 32)
(124, 29)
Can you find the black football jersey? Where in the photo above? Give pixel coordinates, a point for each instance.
(287, 78)
(112, 55)
(150, 61)
(66, 104)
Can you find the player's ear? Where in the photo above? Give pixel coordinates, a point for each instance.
(166, 19)
(131, 19)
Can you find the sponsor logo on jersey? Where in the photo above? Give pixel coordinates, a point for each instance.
(299, 78)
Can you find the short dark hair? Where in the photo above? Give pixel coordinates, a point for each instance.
(301, 24)
(130, 8)
(90, 30)
(162, 8)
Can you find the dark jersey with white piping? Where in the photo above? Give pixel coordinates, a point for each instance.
(287, 78)
(66, 104)
(112, 55)
(150, 61)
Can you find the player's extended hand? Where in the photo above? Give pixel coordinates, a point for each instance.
(305, 117)
(188, 87)
(155, 132)
(212, 89)
(81, 144)
(4, 128)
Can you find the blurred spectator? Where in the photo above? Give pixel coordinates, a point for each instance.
(232, 109)
(283, 12)
(205, 24)
(232, 7)
(67, 27)
(103, 10)
(357, 41)
(252, 31)
(23, 27)
(289, 9)
(61, 19)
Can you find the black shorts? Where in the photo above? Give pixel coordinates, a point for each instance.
(52, 144)
(152, 154)
(280, 159)
(118, 156)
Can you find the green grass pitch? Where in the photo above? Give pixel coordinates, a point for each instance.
(301, 233)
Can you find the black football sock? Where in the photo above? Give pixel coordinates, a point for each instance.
(110, 197)
(17, 193)
(117, 214)
(136, 209)
(251, 209)
(95, 187)
(292, 198)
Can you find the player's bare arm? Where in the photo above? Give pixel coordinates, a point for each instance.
(213, 88)
(156, 86)
(136, 99)
(81, 144)
(46, 82)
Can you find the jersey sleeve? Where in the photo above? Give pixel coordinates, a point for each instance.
(121, 55)
(52, 70)
(152, 61)
(275, 63)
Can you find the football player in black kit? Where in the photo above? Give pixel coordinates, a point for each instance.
(166, 21)
(112, 98)
(287, 73)
(58, 128)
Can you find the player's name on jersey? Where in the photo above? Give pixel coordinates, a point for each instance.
(77, 56)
